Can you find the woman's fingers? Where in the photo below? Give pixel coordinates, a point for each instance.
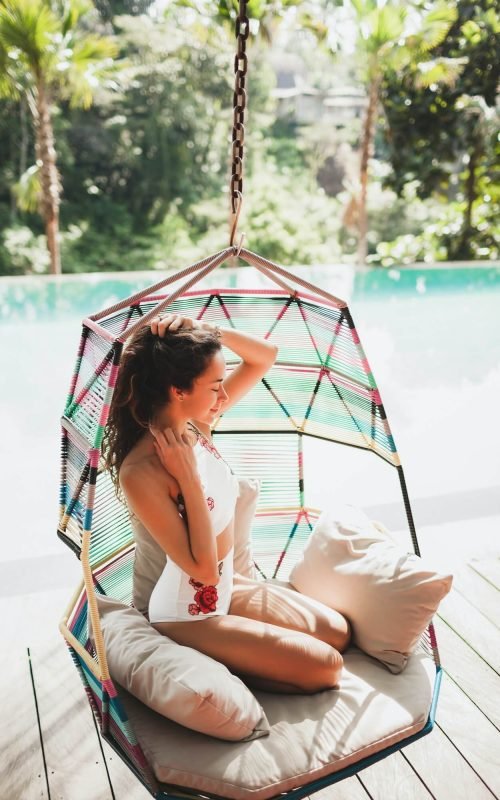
(171, 322)
(168, 437)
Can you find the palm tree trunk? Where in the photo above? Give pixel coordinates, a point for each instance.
(470, 189)
(366, 153)
(464, 249)
(49, 177)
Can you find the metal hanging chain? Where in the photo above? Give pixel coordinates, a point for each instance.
(239, 105)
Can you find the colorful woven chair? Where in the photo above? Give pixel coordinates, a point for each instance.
(320, 388)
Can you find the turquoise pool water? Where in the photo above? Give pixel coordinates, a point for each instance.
(47, 299)
(431, 335)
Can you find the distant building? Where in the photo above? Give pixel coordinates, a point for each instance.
(343, 105)
(306, 105)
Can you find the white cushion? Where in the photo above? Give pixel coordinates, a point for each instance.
(176, 681)
(311, 735)
(149, 560)
(149, 563)
(244, 514)
(388, 595)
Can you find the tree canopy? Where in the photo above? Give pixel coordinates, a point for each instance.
(140, 98)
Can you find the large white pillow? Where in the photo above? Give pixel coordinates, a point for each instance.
(388, 595)
(244, 514)
(149, 558)
(178, 682)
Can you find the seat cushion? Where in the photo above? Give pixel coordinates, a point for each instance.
(176, 681)
(310, 735)
(388, 595)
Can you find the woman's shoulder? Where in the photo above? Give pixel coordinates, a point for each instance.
(138, 463)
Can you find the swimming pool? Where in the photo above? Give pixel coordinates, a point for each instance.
(431, 335)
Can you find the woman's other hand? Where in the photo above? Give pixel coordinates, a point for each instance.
(175, 452)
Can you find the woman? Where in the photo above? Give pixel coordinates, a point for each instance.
(171, 389)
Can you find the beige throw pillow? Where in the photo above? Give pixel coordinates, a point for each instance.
(244, 513)
(150, 559)
(149, 562)
(388, 595)
(178, 682)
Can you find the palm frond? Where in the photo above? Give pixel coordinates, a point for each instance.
(28, 189)
(28, 26)
(8, 83)
(89, 64)
(436, 24)
(363, 7)
(383, 26)
(73, 11)
(312, 23)
(443, 71)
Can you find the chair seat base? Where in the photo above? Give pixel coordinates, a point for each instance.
(312, 736)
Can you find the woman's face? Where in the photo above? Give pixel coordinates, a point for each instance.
(205, 402)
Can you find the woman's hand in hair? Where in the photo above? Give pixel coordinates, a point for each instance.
(175, 452)
(176, 322)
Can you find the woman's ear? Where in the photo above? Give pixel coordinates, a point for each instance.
(177, 394)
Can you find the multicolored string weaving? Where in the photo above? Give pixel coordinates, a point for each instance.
(321, 388)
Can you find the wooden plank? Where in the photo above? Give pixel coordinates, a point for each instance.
(479, 592)
(75, 764)
(348, 789)
(22, 770)
(473, 627)
(473, 676)
(444, 771)
(489, 568)
(393, 777)
(471, 732)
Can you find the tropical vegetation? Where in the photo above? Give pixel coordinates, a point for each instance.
(115, 121)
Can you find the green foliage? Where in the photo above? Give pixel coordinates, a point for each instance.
(145, 170)
(23, 252)
(42, 41)
(433, 132)
(431, 230)
(428, 131)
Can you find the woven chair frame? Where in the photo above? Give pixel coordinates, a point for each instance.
(323, 356)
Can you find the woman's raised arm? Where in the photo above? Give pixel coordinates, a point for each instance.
(257, 354)
(257, 357)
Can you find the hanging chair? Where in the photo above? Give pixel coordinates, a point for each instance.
(321, 388)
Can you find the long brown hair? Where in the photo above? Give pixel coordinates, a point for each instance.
(150, 366)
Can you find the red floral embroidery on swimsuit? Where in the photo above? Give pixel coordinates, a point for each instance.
(210, 503)
(205, 599)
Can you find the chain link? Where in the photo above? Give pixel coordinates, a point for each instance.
(239, 105)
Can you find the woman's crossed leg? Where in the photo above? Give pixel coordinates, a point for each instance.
(273, 638)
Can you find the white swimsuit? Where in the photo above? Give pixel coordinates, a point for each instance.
(176, 596)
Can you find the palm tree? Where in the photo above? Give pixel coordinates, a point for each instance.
(390, 39)
(45, 56)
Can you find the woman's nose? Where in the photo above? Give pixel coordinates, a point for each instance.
(222, 393)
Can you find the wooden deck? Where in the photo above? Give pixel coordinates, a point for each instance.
(50, 746)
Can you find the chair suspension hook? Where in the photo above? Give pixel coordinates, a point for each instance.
(236, 216)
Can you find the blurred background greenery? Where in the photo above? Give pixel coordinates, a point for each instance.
(371, 132)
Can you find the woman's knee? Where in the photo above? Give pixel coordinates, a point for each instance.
(321, 670)
(326, 674)
(336, 631)
(345, 636)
